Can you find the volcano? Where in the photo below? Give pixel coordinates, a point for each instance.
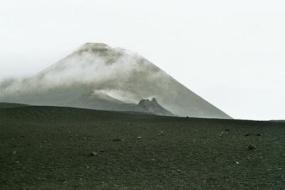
(97, 76)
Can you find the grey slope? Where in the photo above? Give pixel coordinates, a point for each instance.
(97, 76)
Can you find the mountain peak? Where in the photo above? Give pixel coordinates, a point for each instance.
(94, 47)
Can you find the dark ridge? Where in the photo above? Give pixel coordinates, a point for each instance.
(11, 105)
(50, 113)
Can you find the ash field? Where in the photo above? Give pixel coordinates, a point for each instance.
(68, 148)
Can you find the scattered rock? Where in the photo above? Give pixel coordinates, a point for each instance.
(247, 134)
(258, 134)
(14, 152)
(227, 130)
(251, 147)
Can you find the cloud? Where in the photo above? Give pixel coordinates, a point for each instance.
(105, 71)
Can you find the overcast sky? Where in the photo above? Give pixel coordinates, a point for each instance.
(232, 53)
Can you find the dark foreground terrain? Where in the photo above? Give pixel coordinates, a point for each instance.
(65, 148)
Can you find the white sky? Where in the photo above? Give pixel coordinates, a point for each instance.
(232, 53)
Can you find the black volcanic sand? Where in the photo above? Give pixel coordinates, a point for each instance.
(65, 148)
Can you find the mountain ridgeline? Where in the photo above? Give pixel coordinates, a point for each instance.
(97, 76)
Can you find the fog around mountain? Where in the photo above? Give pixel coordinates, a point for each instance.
(98, 76)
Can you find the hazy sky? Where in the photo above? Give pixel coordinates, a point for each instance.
(232, 53)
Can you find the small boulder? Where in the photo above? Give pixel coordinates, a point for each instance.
(161, 133)
(222, 134)
(117, 140)
(93, 154)
(251, 147)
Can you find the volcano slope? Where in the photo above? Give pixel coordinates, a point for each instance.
(67, 148)
(97, 76)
